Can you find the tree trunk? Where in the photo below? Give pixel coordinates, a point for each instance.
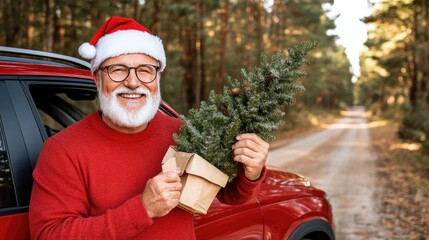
(58, 35)
(200, 86)
(136, 13)
(278, 19)
(30, 30)
(156, 27)
(224, 15)
(49, 26)
(190, 68)
(74, 28)
(259, 24)
(248, 36)
(11, 19)
(98, 15)
(413, 76)
(413, 67)
(24, 16)
(426, 47)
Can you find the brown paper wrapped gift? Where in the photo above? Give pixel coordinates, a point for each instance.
(201, 181)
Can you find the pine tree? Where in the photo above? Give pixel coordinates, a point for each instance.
(249, 105)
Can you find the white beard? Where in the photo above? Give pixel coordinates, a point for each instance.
(117, 114)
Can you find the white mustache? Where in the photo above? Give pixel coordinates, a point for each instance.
(125, 90)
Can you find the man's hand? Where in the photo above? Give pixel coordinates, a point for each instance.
(162, 194)
(252, 151)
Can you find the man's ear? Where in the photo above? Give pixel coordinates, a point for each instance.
(97, 78)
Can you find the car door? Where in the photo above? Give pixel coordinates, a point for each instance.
(31, 110)
(15, 171)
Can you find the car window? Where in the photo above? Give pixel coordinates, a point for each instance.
(61, 106)
(7, 194)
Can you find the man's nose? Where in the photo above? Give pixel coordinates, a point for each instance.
(132, 81)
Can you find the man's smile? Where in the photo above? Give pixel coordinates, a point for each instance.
(132, 95)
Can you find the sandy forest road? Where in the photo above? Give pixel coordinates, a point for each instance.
(340, 160)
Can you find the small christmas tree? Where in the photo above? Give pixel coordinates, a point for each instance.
(249, 105)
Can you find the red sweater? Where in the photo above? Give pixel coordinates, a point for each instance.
(89, 178)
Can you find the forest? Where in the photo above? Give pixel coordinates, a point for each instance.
(208, 40)
(395, 66)
(205, 40)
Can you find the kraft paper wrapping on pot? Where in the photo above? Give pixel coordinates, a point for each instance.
(201, 181)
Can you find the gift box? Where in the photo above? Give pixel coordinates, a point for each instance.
(201, 181)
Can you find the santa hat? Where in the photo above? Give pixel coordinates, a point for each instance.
(119, 36)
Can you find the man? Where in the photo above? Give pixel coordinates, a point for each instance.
(101, 177)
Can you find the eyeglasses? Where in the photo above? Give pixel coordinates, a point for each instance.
(146, 73)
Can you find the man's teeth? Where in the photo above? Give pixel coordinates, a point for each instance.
(131, 95)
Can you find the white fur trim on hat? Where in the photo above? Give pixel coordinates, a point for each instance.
(87, 51)
(128, 41)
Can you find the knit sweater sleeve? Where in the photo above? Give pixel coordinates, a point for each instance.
(240, 190)
(59, 208)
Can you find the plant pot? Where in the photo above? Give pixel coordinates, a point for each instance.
(201, 181)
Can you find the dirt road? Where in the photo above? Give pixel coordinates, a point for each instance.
(340, 160)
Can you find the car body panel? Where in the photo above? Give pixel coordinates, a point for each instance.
(288, 200)
(230, 222)
(285, 202)
(14, 226)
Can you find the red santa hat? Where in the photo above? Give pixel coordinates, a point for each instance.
(119, 36)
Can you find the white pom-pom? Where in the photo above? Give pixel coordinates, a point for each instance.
(87, 51)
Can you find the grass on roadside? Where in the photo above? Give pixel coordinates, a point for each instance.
(404, 174)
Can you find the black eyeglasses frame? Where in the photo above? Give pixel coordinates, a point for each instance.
(129, 71)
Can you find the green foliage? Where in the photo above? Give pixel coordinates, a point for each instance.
(415, 127)
(249, 105)
(394, 63)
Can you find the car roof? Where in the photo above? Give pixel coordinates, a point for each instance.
(22, 62)
(32, 69)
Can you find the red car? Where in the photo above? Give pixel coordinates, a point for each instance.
(41, 93)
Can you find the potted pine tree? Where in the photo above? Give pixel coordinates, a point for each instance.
(248, 105)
